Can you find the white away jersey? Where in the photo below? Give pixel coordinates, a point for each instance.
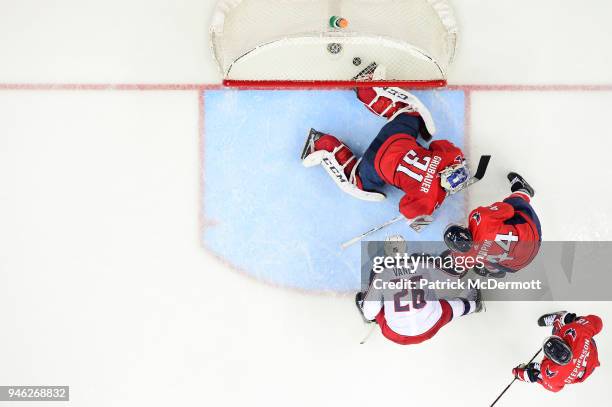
(408, 311)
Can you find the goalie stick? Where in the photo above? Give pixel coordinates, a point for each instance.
(481, 170)
(418, 224)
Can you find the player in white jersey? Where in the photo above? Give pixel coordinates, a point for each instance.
(411, 315)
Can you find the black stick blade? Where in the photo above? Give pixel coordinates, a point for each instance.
(482, 166)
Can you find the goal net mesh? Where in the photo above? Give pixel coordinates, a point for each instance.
(292, 41)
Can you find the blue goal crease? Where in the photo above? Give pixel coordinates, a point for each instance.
(281, 222)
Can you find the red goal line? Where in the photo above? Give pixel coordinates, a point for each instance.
(271, 85)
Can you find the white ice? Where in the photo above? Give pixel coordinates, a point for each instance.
(104, 285)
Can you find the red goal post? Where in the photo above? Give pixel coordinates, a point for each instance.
(291, 43)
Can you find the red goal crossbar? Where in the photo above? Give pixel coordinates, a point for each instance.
(269, 84)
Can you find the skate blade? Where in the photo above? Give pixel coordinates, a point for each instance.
(311, 136)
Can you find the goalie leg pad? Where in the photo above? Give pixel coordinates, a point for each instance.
(390, 102)
(319, 145)
(310, 157)
(339, 162)
(348, 184)
(378, 102)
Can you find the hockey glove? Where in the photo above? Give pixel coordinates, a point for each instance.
(569, 318)
(527, 373)
(359, 297)
(484, 272)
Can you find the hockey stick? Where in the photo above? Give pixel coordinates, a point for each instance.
(421, 222)
(369, 232)
(512, 382)
(365, 72)
(417, 224)
(481, 170)
(372, 328)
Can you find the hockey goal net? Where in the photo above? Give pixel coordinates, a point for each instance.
(303, 43)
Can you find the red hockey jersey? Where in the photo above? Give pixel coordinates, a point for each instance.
(579, 336)
(506, 238)
(403, 163)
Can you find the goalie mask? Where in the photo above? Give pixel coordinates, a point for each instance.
(458, 238)
(557, 350)
(454, 177)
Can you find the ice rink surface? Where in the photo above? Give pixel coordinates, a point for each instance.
(276, 215)
(105, 285)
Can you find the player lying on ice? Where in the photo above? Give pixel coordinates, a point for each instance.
(411, 316)
(425, 175)
(507, 234)
(571, 352)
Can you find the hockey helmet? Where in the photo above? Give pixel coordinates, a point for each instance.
(557, 350)
(458, 238)
(395, 245)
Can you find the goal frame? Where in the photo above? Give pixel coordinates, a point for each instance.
(335, 84)
(437, 67)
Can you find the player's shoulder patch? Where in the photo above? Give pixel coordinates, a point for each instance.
(550, 373)
(476, 217)
(570, 332)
